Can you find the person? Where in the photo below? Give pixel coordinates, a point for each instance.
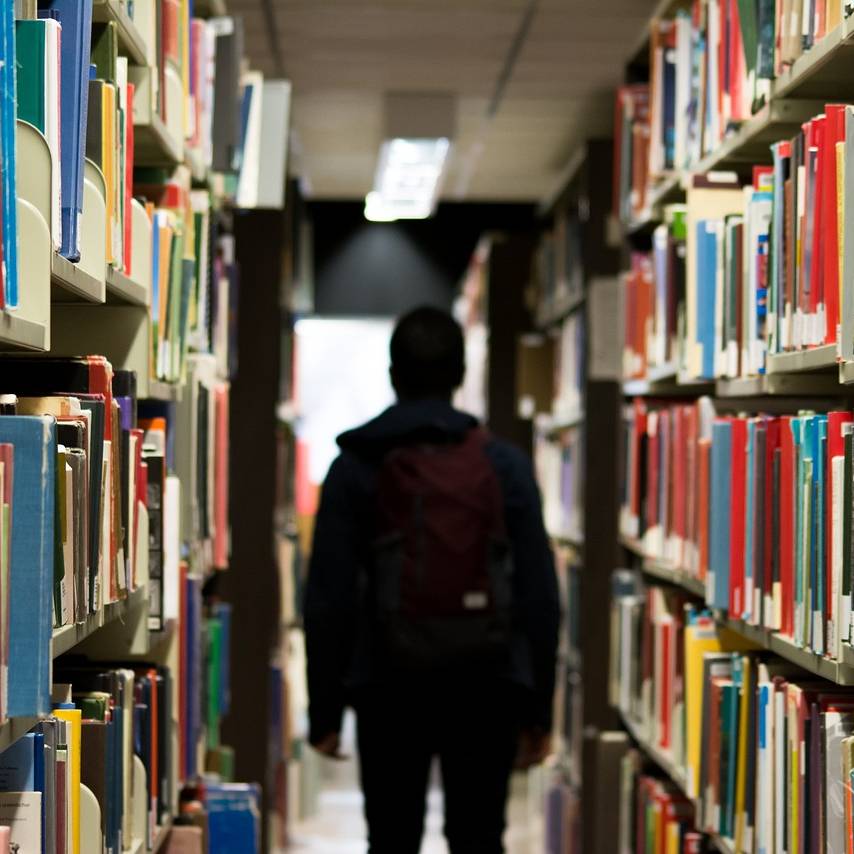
(475, 687)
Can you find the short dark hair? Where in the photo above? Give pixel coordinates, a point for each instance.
(427, 354)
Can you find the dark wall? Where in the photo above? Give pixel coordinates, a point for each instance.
(383, 269)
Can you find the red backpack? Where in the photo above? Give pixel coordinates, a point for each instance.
(442, 563)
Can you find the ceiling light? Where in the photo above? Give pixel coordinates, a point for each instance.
(407, 180)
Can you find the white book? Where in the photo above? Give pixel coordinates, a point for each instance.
(171, 547)
(273, 144)
(21, 812)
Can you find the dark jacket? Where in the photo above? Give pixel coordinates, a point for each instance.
(340, 659)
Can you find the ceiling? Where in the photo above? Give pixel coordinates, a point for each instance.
(343, 55)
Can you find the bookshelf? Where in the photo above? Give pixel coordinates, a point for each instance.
(744, 371)
(569, 388)
(113, 545)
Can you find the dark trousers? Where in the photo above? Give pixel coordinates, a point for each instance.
(472, 729)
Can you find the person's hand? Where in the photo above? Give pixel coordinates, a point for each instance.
(330, 746)
(534, 747)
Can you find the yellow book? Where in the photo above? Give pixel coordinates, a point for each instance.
(699, 640)
(840, 214)
(74, 718)
(673, 834)
(741, 756)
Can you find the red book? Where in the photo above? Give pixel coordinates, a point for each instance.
(652, 469)
(640, 418)
(834, 132)
(737, 66)
(690, 486)
(786, 546)
(737, 510)
(665, 459)
(678, 475)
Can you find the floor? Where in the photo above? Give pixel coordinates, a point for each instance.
(337, 825)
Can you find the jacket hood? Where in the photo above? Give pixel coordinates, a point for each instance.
(421, 420)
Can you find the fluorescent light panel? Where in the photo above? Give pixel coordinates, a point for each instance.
(406, 184)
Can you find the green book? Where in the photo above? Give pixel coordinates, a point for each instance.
(214, 631)
(748, 14)
(30, 62)
(105, 51)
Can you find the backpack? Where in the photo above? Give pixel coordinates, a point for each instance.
(442, 567)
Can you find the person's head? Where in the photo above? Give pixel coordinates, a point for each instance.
(427, 355)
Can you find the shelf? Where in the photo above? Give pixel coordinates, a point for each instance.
(813, 359)
(169, 392)
(750, 144)
(69, 283)
(839, 672)
(67, 637)
(846, 373)
(824, 71)
(779, 385)
(123, 290)
(155, 146)
(131, 43)
(660, 757)
(665, 380)
(16, 333)
(553, 424)
(665, 571)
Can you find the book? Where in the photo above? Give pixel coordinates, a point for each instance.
(75, 19)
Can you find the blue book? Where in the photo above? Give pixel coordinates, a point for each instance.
(75, 16)
(31, 571)
(669, 104)
(8, 154)
(18, 771)
(707, 276)
(719, 529)
(233, 818)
